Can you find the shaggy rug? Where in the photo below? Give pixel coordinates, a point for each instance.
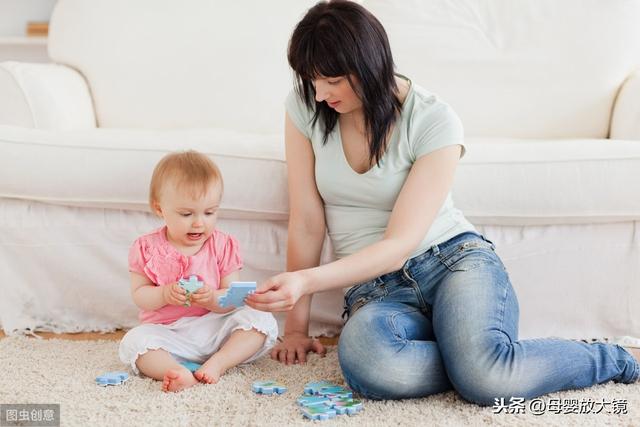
(63, 372)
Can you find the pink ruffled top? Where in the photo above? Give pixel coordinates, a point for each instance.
(153, 256)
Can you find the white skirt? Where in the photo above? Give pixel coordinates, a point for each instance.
(196, 339)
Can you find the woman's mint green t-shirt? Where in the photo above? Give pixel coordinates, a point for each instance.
(358, 206)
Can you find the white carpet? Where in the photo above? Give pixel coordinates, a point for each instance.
(60, 371)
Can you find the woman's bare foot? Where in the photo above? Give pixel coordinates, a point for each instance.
(210, 372)
(635, 352)
(178, 379)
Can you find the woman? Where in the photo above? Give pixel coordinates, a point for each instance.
(371, 158)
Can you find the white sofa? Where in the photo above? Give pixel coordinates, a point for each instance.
(548, 91)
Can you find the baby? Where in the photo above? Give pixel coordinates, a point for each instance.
(185, 192)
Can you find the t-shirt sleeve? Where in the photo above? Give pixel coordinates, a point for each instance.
(136, 258)
(438, 127)
(228, 254)
(299, 113)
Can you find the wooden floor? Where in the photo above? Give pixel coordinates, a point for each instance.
(117, 335)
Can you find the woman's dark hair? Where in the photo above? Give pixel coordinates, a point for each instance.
(342, 38)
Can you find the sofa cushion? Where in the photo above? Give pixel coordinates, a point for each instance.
(526, 68)
(499, 181)
(172, 64)
(45, 96)
(112, 168)
(538, 182)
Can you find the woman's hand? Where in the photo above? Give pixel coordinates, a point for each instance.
(294, 348)
(279, 293)
(174, 294)
(208, 298)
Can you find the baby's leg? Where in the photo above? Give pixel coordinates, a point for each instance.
(241, 345)
(160, 365)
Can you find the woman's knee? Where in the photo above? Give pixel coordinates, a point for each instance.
(362, 354)
(373, 365)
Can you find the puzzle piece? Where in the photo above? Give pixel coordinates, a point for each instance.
(318, 412)
(306, 400)
(346, 406)
(334, 392)
(191, 285)
(324, 400)
(314, 387)
(268, 387)
(112, 378)
(192, 366)
(236, 294)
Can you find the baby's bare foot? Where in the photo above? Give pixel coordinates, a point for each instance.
(176, 380)
(209, 373)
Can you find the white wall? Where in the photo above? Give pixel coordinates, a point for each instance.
(14, 15)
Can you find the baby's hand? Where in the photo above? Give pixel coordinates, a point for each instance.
(174, 294)
(208, 298)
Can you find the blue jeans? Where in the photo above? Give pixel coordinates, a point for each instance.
(449, 319)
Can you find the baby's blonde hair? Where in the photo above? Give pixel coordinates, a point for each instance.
(188, 170)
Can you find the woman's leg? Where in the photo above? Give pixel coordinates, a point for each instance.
(475, 320)
(386, 351)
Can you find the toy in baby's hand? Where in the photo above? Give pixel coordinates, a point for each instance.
(236, 294)
(191, 285)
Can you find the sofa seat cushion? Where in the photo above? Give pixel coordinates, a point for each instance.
(539, 182)
(111, 168)
(499, 181)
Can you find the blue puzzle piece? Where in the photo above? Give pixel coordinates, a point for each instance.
(325, 400)
(346, 406)
(192, 366)
(236, 294)
(314, 387)
(318, 412)
(191, 285)
(335, 392)
(112, 378)
(268, 387)
(314, 400)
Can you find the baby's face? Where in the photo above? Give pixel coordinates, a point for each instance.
(190, 221)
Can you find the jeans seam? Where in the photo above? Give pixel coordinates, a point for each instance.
(416, 288)
(503, 304)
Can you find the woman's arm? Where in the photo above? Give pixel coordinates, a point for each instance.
(148, 296)
(306, 232)
(416, 207)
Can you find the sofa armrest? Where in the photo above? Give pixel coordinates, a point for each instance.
(44, 96)
(625, 121)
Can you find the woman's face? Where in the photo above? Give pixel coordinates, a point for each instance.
(337, 93)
